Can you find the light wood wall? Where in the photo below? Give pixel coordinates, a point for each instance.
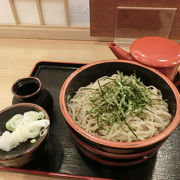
(44, 31)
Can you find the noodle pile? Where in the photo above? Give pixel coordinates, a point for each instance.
(120, 108)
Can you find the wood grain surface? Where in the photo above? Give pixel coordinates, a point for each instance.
(103, 15)
(19, 56)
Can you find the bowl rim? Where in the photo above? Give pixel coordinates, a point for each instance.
(26, 79)
(136, 144)
(29, 151)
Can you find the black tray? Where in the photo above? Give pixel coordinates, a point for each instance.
(60, 156)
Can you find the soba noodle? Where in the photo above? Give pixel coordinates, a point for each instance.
(97, 108)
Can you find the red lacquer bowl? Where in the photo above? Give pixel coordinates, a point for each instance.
(119, 153)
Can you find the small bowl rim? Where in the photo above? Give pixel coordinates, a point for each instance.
(31, 150)
(29, 95)
(137, 144)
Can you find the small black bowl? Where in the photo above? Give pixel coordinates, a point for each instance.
(31, 90)
(25, 152)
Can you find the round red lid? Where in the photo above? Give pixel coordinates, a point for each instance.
(156, 51)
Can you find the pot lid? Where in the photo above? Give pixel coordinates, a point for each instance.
(156, 51)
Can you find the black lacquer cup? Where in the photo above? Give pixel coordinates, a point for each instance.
(30, 90)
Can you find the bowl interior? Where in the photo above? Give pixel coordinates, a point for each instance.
(24, 147)
(147, 76)
(26, 86)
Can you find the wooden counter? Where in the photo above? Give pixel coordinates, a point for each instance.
(18, 57)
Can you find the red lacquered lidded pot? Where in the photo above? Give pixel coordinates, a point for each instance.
(157, 52)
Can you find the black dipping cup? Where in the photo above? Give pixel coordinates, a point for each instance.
(30, 90)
